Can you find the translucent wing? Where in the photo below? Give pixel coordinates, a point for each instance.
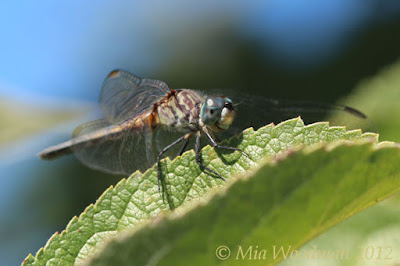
(265, 110)
(123, 95)
(113, 149)
(256, 111)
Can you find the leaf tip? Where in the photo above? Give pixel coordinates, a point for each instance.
(30, 259)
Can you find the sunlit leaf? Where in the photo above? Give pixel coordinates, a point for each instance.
(135, 201)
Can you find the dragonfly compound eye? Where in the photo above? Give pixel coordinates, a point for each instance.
(211, 110)
(227, 115)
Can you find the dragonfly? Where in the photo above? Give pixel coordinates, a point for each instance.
(145, 118)
(135, 112)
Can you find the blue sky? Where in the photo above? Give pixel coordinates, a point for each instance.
(65, 48)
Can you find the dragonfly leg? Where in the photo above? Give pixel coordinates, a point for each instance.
(197, 151)
(184, 137)
(183, 147)
(216, 145)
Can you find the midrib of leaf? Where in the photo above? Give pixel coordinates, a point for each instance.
(184, 181)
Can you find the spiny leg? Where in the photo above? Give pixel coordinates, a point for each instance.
(216, 145)
(197, 151)
(187, 136)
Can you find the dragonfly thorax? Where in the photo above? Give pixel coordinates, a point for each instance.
(217, 113)
(181, 111)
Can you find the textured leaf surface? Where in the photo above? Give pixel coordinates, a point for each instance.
(135, 200)
(283, 204)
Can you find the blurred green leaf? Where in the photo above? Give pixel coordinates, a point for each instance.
(135, 200)
(20, 120)
(379, 98)
(377, 227)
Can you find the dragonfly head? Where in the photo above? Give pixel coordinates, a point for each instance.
(217, 112)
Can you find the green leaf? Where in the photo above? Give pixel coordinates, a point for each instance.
(289, 188)
(378, 97)
(376, 228)
(284, 204)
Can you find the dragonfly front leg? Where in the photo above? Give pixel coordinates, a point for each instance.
(198, 160)
(216, 145)
(184, 137)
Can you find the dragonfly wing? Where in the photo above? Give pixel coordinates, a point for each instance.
(256, 111)
(113, 149)
(124, 95)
